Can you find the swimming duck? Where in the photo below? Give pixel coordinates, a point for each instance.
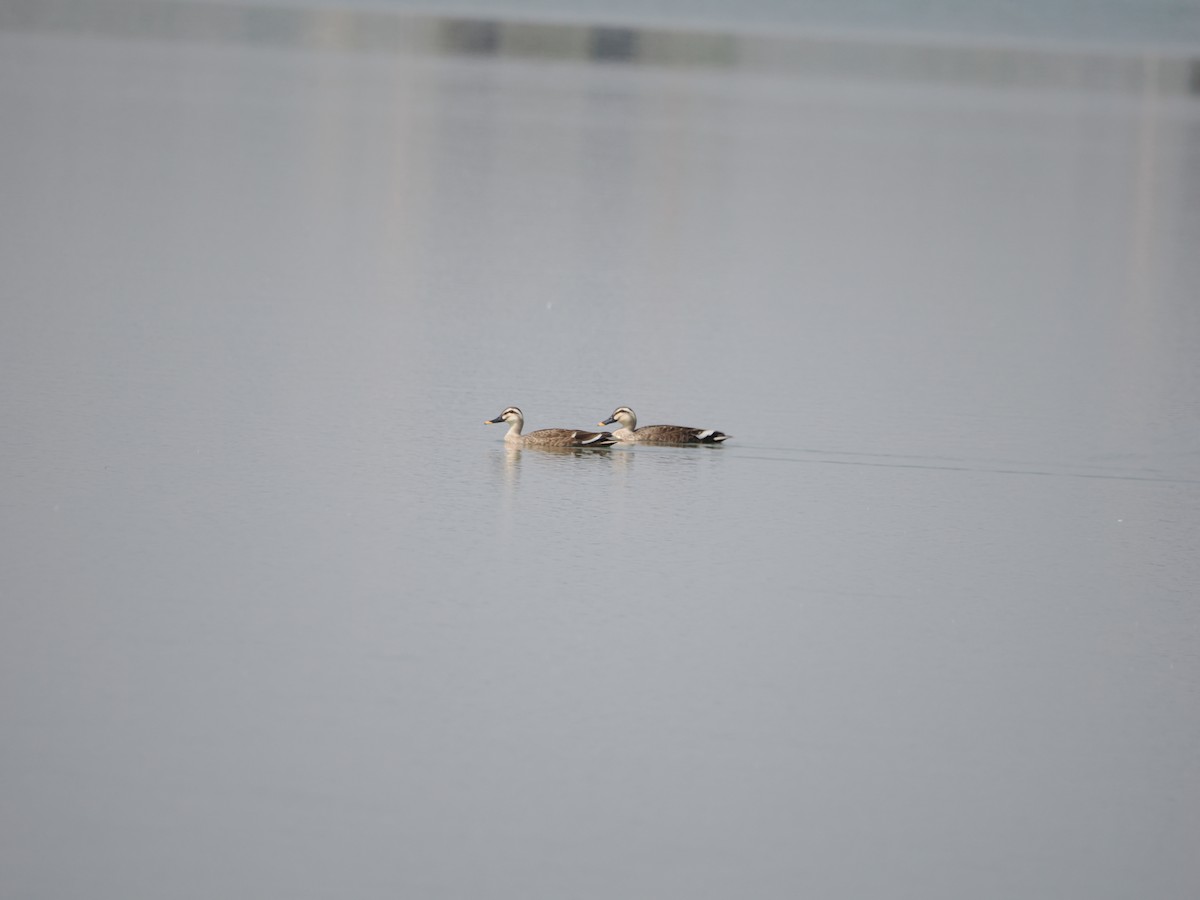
(659, 434)
(548, 437)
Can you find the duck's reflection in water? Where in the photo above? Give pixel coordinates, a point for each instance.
(513, 457)
(554, 474)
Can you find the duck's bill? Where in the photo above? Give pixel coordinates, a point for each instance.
(609, 421)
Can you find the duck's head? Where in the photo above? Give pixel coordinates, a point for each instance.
(624, 415)
(510, 415)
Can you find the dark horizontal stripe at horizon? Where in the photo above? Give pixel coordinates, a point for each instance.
(871, 57)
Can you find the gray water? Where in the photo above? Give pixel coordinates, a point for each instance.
(283, 618)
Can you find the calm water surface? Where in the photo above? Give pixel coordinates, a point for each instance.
(283, 618)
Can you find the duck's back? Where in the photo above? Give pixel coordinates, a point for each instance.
(676, 434)
(566, 437)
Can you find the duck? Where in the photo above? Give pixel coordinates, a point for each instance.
(659, 434)
(548, 437)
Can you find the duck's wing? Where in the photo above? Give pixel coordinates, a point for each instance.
(567, 437)
(679, 434)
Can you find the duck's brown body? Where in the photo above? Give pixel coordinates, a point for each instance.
(659, 434)
(548, 437)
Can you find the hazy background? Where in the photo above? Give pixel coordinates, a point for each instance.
(280, 617)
